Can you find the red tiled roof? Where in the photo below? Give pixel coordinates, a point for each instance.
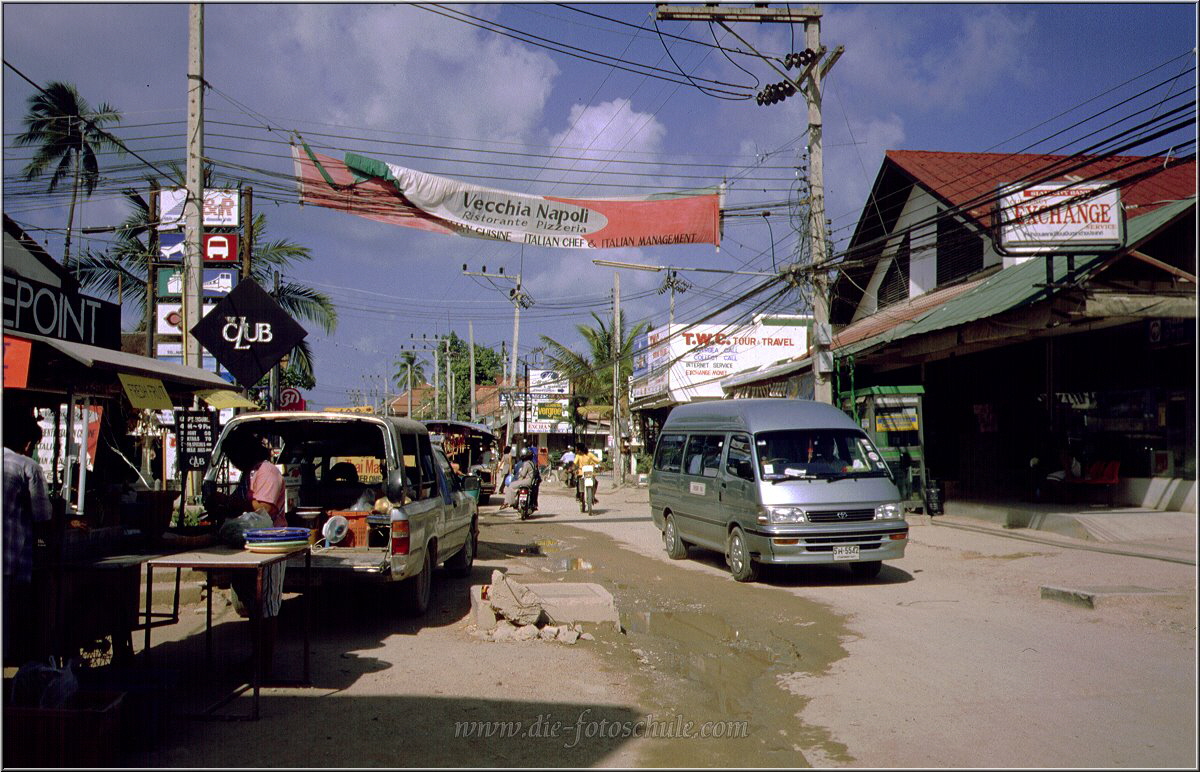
(964, 179)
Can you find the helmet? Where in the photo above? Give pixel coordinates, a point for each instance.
(526, 454)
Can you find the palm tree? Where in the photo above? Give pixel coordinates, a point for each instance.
(591, 373)
(68, 133)
(123, 268)
(409, 359)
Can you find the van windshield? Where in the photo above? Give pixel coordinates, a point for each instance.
(810, 454)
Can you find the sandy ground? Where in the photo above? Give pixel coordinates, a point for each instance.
(949, 658)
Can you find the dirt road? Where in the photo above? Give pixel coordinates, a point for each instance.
(949, 658)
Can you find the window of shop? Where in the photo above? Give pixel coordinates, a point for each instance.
(959, 251)
(894, 288)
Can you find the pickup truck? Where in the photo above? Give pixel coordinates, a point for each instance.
(407, 510)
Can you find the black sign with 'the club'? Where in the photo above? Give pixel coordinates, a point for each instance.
(248, 332)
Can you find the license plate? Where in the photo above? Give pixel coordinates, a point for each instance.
(846, 553)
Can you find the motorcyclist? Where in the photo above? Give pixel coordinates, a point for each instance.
(584, 457)
(526, 476)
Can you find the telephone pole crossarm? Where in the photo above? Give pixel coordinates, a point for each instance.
(718, 13)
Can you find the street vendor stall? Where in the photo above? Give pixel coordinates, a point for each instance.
(84, 592)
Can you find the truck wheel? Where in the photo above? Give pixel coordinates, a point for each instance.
(868, 569)
(738, 554)
(460, 565)
(677, 548)
(416, 590)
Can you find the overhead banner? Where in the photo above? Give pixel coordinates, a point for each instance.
(400, 196)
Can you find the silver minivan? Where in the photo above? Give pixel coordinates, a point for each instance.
(782, 481)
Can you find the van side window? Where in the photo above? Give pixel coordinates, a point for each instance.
(738, 463)
(670, 453)
(703, 456)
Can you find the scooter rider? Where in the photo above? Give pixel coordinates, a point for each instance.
(526, 476)
(584, 457)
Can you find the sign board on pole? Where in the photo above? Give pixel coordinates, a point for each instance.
(1060, 216)
(196, 432)
(548, 382)
(218, 282)
(220, 208)
(291, 399)
(248, 332)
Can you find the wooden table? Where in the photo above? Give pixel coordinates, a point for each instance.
(222, 558)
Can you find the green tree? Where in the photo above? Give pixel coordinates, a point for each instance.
(487, 367)
(122, 269)
(591, 372)
(68, 133)
(409, 359)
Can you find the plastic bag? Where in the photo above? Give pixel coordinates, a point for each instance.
(42, 685)
(233, 530)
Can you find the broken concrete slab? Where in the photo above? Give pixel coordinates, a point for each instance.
(514, 601)
(1098, 596)
(571, 602)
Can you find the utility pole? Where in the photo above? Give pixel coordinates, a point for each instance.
(151, 278)
(808, 83)
(615, 341)
(520, 299)
(194, 203)
(471, 352)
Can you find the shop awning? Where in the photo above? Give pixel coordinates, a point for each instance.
(102, 360)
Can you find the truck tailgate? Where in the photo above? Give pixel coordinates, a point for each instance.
(369, 560)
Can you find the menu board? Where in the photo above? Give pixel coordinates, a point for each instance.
(196, 431)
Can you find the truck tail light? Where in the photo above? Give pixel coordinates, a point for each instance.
(400, 537)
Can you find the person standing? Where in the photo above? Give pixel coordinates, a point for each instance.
(503, 468)
(261, 490)
(27, 512)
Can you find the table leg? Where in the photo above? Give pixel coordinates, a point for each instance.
(307, 610)
(208, 640)
(149, 608)
(257, 623)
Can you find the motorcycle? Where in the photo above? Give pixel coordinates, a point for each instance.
(524, 503)
(587, 493)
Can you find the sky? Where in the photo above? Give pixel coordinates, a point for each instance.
(440, 89)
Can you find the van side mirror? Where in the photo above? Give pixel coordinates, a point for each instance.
(470, 482)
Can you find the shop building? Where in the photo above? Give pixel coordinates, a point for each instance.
(1030, 360)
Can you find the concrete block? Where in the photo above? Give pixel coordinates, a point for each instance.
(570, 602)
(482, 613)
(1099, 596)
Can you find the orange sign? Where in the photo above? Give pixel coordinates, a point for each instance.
(16, 362)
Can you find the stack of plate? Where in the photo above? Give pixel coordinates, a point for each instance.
(276, 539)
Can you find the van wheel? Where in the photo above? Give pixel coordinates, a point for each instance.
(868, 569)
(738, 555)
(460, 565)
(415, 591)
(677, 548)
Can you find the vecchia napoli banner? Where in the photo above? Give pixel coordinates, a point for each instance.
(393, 194)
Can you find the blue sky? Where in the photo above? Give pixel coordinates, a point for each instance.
(414, 87)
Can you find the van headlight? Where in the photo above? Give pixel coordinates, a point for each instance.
(888, 512)
(786, 514)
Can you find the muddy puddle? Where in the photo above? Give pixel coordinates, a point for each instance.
(731, 664)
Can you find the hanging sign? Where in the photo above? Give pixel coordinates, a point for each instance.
(400, 196)
(224, 398)
(248, 332)
(145, 393)
(16, 362)
(196, 434)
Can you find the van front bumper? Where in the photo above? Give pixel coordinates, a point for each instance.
(792, 545)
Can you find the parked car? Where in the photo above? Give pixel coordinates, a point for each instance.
(780, 481)
(405, 511)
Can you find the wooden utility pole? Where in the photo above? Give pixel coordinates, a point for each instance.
(471, 352)
(808, 83)
(615, 342)
(194, 203)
